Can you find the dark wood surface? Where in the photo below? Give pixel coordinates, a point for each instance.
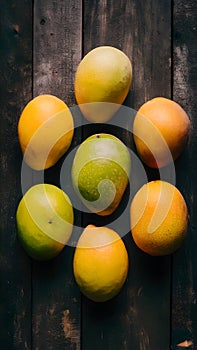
(56, 54)
(184, 266)
(41, 44)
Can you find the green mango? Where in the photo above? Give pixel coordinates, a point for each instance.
(100, 172)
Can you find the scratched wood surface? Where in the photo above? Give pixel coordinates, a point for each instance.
(56, 54)
(184, 268)
(146, 294)
(41, 44)
(16, 90)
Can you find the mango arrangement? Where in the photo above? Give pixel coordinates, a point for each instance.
(100, 174)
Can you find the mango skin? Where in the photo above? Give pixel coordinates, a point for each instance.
(44, 219)
(100, 173)
(161, 131)
(45, 131)
(100, 263)
(159, 218)
(102, 82)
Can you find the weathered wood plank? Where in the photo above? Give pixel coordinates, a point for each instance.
(16, 91)
(184, 293)
(139, 318)
(57, 47)
(57, 51)
(143, 30)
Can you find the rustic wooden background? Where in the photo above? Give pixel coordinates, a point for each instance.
(42, 42)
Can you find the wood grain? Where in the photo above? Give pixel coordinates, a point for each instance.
(16, 91)
(41, 44)
(57, 51)
(57, 47)
(139, 317)
(184, 293)
(143, 31)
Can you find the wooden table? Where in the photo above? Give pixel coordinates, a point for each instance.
(42, 42)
